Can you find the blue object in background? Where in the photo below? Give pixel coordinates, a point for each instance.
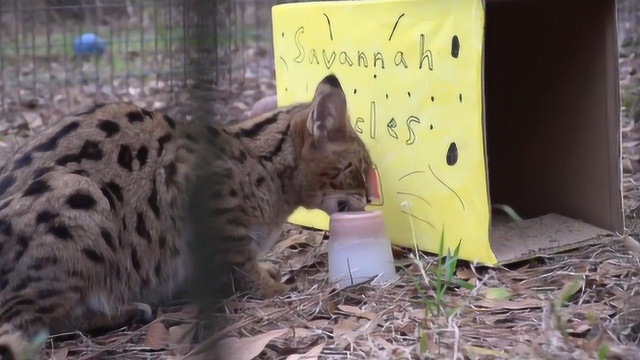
(88, 44)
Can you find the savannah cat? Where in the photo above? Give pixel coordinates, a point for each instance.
(97, 211)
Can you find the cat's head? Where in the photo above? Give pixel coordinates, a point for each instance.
(334, 164)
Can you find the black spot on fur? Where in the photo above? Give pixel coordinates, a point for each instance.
(162, 140)
(242, 156)
(93, 255)
(80, 172)
(142, 154)
(135, 260)
(24, 160)
(146, 113)
(108, 238)
(36, 187)
(260, 180)
(169, 121)
(233, 193)
(141, 228)
(39, 172)
(60, 231)
(116, 190)
(46, 309)
(68, 158)
(43, 294)
(109, 127)
(191, 138)
(9, 316)
(5, 352)
(43, 262)
(213, 132)
(162, 242)
(91, 151)
(92, 110)
(6, 182)
(135, 116)
(5, 204)
(23, 241)
(52, 142)
(124, 224)
(170, 171)
(153, 201)
(125, 157)
(45, 216)
(158, 269)
(81, 201)
(5, 228)
(107, 194)
(257, 128)
(24, 302)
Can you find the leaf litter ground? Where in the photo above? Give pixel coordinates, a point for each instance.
(509, 312)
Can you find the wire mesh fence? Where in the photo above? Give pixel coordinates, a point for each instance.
(53, 51)
(60, 54)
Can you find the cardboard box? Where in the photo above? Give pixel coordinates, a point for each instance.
(468, 104)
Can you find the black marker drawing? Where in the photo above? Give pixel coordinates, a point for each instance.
(409, 174)
(314, 56)
(455, 46)
(329, 23)
(447, 186)
(328, 62)
(345, 59)
(362, 59)
(460, 97)
(425, 54)
(372, 120)
(391, 126)
(299, 46)
(357, 126)
(399, 59)
(412, 135)
(415, 196)
(419, 219)
(395, 26)
(285, 63)
(452, 154)
(377, 56)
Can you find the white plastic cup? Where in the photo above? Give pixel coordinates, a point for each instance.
(359, 249)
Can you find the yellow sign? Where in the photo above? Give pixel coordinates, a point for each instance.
(412, 71)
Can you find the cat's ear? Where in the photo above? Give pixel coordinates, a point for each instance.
(328, 119)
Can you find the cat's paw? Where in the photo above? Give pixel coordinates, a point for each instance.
(271, 290)
(272, 269)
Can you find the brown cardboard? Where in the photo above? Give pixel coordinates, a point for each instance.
(552, 122)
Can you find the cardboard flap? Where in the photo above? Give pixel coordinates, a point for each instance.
(547, 234)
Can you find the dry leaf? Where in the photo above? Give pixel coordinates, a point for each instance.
(465, 274)
(60, 354)
(157, 336)
(181, 336)
(357, 312)
(511, 305)
(188, 312)
(313, 353)
(496, 293)
(233, 348)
